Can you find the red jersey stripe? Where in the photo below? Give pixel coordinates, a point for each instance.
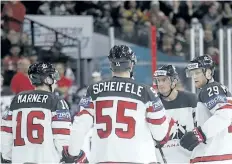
(156, 121)
(6, 129)
(212, 158)
(61, 131)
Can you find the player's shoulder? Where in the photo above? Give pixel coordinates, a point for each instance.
(187, 95)
(114, 80)
(36, 95)
(120, 87)
(34, 99)
(189, 98)
(150, 94)
(213, 89)
(211, 84)
(91, 87)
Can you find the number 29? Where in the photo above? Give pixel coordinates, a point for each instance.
(213, 90)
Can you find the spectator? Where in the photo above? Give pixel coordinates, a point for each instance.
(13, 37)
(25, 44)
(178, 49)
(10, 63)
(181, 26)
(96, 77)
(20, 82)
(5, 45)
(44, 9)
(227, 14)
(33, 56)
(130, 15)
(213, 17)
(69, 73)
(167, 43)
(208, 39)
(4, 90)
(13, 12)
(64, 84)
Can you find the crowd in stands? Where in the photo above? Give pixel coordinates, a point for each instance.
(131, 19)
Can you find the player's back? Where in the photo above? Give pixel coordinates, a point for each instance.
(32, 113)
(120, 132)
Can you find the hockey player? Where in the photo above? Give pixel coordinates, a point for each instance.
(6, 98)
(125, 116)
(211, 141)
(180, 106)
(37, 125)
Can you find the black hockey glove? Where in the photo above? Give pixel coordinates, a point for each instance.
(5, 160)
(67, 158)
(193, 138)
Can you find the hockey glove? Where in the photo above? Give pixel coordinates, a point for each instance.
(67, 158)
(160, 144)
(193, 138)
(5, 160)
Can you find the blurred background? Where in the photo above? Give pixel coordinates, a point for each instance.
(76, 36)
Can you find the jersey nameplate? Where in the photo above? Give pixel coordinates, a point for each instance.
(117, 87)
(32, 98)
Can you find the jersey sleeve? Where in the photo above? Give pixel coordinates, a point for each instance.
(83, 121)
(156, 117)
(61, 125)
(215, 99)
(6, 134)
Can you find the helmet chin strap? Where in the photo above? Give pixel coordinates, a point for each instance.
(50, 82)
(168, 93)
(132, 72)
(208, 80)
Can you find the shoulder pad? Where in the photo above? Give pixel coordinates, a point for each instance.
(62, 105)
(213, 94)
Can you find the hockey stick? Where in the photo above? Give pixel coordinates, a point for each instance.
(194, 117)
(161, 151)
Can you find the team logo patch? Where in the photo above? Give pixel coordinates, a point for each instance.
(192, 66)
(63, 114)
(85, 101)
(157, 105)
(216, 100)
(5, 114)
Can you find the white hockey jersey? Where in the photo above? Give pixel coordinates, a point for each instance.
(214, 116)
(5, 105)
(36, 128)
(182, 110)
(125, 117)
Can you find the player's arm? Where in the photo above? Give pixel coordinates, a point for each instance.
(7, 136)
(156, 118)
(221, 110)
(83, 121)
(61, 125)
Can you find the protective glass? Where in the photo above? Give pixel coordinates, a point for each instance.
(193, 72)
(161, 80)
(157, 74)
(134, 59)
(56, 75)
